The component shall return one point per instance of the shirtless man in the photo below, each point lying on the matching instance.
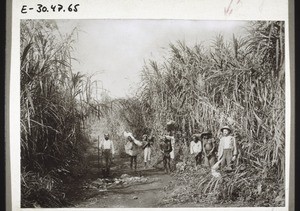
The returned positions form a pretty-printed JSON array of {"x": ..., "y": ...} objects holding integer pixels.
[{"x": 209, "y": 149}]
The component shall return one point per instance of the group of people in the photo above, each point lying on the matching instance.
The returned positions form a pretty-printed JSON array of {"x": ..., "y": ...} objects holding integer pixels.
[{"x": 202, "y": 146}]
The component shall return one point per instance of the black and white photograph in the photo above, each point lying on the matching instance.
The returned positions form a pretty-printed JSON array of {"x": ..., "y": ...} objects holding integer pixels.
[{"x": 152, "y": 113}]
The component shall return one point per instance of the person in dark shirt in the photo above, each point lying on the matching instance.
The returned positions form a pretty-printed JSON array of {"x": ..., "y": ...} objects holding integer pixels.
[
  {"x": 166, "y": 148},
  {"x": 209, "y": 148}
]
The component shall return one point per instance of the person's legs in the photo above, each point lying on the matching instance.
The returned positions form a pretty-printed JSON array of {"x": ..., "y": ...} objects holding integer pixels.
[
  {"x": 108, "y": 162},
  {"x": 131, "y": 162},
  {"x": 223, "y": 162},
  {"x": 206, "y": 161},
  {"x": 212, "y": 160},
  {"x": 229, "y": 157},
  {"x": 165, "y": 162},
  {"x": 198, "y": 159},
  {"x": 168, "y": 164},
  {"x": 149, "y": 155},
  {"x": 135, "y": 163}
]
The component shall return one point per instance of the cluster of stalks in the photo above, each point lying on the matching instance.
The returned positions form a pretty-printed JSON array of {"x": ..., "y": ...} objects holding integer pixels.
[{"x": 55, "y": 103}]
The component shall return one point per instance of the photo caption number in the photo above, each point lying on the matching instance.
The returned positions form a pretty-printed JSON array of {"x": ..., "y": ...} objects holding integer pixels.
[{"x": 40, "y": 8}]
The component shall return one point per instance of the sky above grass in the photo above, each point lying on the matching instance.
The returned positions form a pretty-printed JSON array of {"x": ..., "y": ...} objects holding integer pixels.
[{"x": 115, "y": 51}]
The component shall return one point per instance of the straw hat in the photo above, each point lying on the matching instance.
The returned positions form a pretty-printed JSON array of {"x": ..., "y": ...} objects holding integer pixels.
[
  {"x": 208, "y": 133},
  {"x": 225, "y": 127},
  {"x": 196, "y": 135}
]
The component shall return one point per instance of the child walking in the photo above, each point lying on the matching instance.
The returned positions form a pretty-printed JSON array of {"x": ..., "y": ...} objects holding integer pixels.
[{"x": 227, "y": 150}]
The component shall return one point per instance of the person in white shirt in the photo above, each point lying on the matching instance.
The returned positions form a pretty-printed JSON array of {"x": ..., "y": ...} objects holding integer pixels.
[
  {"x": 107, "y": 151},
  {"x": 148, "y": 142},
  {"x": 227, "y": 150},
  {"x": 196, "y": 148}
]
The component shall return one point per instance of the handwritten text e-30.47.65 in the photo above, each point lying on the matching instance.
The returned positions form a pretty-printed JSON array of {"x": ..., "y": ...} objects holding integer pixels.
[{"x": 40, "y": 8}]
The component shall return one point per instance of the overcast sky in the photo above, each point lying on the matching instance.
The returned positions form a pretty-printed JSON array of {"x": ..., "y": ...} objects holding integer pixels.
[{"x": 115, "y": 50}]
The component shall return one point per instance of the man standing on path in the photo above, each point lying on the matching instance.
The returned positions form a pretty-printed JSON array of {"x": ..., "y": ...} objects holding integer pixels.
[{"x": 107, "y": 152}]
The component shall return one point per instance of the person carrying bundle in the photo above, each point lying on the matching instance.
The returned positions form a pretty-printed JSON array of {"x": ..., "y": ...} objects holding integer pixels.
[
  {"x": 131, "y": 148},
  {"x": 107, "y": 150}
]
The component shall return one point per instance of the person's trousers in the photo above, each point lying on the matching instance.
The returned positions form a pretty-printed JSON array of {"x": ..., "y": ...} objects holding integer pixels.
[
  {"x": 133, "y": 161},
  {"x": 107, "y": 160},
  {"x": 167, "y": 165},
  {"x": 227, "y": 157},
  {"x": 147, "y": 154},
  {"x": 198, "y": 158},
  {"x": 210, "y": 160}
]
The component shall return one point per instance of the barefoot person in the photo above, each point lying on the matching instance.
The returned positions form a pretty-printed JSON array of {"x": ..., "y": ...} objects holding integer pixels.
[
  {"x": 227, "y": 150},
  {"x": 107, "y": 150},
  {"x": 209, "y": 148}
]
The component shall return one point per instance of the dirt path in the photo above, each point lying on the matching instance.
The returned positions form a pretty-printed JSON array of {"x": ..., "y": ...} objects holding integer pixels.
[
  {"x": 146, "y": 194},
  {"x": 124, "y": 188}
]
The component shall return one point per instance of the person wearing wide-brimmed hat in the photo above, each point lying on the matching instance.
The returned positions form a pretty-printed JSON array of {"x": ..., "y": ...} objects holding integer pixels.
[
  {"x": 209, "y": 148},
  {"x": 227, "y": 150}
]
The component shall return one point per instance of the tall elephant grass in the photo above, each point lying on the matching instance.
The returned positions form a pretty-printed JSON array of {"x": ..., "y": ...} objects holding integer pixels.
[{"x": 239, "y": 82}]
